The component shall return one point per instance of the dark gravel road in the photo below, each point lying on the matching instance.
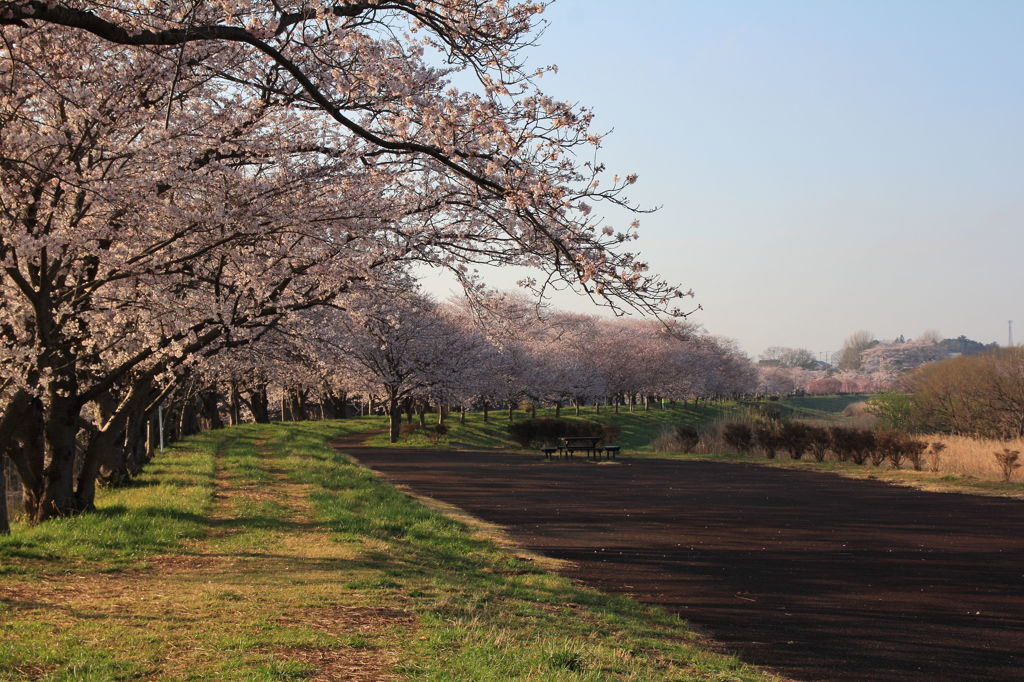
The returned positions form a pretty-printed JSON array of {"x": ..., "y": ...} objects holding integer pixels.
[{"x": 817, "y": 576}]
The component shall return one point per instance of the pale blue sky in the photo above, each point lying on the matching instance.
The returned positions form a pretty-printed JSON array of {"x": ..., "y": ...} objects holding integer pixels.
[{"x": 823, "y": 167}]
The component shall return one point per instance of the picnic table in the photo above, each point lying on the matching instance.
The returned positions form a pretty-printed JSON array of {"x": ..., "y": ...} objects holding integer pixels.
[{"x": 570, "y": 444}]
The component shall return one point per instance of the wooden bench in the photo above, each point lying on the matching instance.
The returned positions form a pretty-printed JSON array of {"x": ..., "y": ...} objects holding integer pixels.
[{"x": 610, "y": 451}]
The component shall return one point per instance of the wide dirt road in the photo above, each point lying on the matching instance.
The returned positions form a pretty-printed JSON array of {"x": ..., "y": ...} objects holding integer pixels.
[{"x": 817, "y": 576}]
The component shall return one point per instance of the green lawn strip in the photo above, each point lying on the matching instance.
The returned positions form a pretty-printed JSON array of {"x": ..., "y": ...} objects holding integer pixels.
[
  {"x": 233, "y": 611},
  {"x": 164, "y": 506}
]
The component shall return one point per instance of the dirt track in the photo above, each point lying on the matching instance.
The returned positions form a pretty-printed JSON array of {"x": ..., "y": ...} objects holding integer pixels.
[{"x": 814, "y": 575}]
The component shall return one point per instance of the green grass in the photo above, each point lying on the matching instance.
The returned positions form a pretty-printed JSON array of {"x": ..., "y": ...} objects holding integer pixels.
[
  {"x": 638, "y": 428},
  {"x": 822, "y": 405},
  {"x": 165, "y": 505},
  {"x": 273, "y": 557}
]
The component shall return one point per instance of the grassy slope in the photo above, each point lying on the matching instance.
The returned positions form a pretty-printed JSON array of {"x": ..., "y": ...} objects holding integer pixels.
[
  {"x": 257, "y": 552},
  {"x": 823, "y": 404},
  {"x": 638, "y": 428}
]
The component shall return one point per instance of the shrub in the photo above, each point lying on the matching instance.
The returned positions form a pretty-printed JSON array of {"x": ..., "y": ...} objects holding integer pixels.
[
  {"x": 676, "y": 439},
  {"x": 738, "y": 436},
  {"x": 893, "y": 409},
  {"x": 536, "y": 432},
  {"x": 1008, "y": 463},
  {"x": 767, "y": 438},
  {"x": 863, "y": 444},
  {"x": 915, "y": 453},
  {"x": 795, "y": 438},
  {"x": 896, "y": 447},
  {"x": 436, "y": 432},
  {"x": 770, "y": 411},
  {"x": 886, "y": 445},
  {"x": 852, "y": 444},
  {"x": 821, "y": 441},
  {"x": 687, "y": 437},
  {"x": 841, "y": 441},
  {"x": 611, "y": 432}
]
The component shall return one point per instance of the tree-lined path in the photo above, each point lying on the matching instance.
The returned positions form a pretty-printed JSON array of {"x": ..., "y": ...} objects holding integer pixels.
[{"x": 818, "y": 576}]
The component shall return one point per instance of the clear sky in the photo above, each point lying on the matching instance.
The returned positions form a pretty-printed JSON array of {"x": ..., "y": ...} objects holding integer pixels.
[{"x": 822, "y": 167}]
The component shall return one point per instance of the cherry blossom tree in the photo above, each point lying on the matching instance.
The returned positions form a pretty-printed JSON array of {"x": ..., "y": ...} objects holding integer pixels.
[{"x": 177, "y": 184}]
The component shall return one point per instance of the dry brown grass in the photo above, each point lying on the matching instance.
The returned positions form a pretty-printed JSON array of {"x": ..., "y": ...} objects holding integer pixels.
[{"x": 972, "y": 456}]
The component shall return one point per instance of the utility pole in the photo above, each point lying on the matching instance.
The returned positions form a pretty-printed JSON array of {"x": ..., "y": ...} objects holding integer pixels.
[{"x": 1010, "y": 325}]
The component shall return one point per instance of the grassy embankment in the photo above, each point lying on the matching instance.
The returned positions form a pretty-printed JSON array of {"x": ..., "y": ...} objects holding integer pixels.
[
  {"x": 637, "y": 429},
  {"x": 259, "y": 553}
]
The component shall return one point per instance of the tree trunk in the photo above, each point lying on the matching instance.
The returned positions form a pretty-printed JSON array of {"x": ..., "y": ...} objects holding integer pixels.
[
  {"x": 511, "y": 407},
  {"x": 333, "y": 406},
  {"x": 597, "y": 406},
  {"x": 440, "y": 414},
  {"x": 576, "y": 404},
  {"x": 297, "y": 405},
  {"x": 421, "y": 413},
  {"x": 462, "y": 414},
  {"x": 188, "y": 420},
  {"x": 59, "y": 430},
  {"x": 259, "y": 404},
  {"x": 21, "y": 439},
  {"x": 558, "y": 409},
  {"x": 408, "y": 410},
  {"x": 485, "y": 411},
  {"x": 209, "y": 413},
  {"x": 395, "y": 415},
  {"x": 235, "y": 404}
]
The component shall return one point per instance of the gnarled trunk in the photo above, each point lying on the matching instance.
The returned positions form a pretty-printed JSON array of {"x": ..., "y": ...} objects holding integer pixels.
[
  {"x": 58, "y": 485},
  {"x": 259, "y": 404}
]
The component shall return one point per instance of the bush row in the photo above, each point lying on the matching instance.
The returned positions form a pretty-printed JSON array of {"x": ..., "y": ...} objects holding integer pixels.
[{"x": 848, "y": 444}]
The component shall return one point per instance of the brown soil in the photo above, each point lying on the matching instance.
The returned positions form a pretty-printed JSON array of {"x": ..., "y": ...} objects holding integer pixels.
[{"x": 816, "y": 576}]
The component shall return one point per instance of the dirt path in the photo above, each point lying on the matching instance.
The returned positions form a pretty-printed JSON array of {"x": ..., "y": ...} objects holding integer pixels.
[
  {"x": 264, "y": 567},
  {"x": 817, "y": 576}
]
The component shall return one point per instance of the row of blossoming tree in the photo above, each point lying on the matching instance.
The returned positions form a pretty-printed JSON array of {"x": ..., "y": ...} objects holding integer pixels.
[
  {"x": 181, "y": 181},
  {"x": 406, "y": 352}
]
